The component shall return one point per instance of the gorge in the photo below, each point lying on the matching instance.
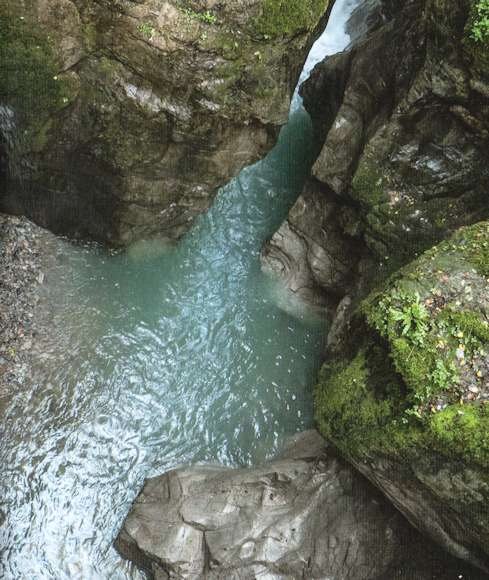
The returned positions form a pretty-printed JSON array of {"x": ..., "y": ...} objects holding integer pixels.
[{"x": 134, "y": 367}]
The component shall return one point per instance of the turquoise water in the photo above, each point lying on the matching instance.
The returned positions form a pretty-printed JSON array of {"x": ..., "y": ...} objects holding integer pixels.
[{"x": 155, "y": 357}]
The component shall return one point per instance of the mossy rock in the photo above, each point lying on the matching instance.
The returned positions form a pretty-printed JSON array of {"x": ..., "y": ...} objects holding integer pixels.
[
  {"x": 431, "y": 324},
  {"x": 289, "y": 17},
  {"x": 28, "y": 75},
  {"x": 414, "y": 388}
]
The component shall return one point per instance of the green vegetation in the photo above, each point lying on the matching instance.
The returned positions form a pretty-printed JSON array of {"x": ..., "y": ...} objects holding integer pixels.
[
  {"x": 206, "y": 17},
  {"x": 28, "y": 80},
  {"x": 146, "y": 29},
  {"x": 349, "y": 409},
  {"x": 479, "y": 21},
  {"x": 418, "y": 360},
  {"x": 423, "y": 346},
  {"x": 367, "y": 186},
  {"x": 476, "y": 38},
  {"x": 464, "y": 430},
  {"x": 413, "y": 318},
  {"x": 289, "y": 17}
]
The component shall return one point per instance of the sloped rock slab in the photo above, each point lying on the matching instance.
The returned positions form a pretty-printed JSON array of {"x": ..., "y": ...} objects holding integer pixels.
[{"x": 304, "y": 515}]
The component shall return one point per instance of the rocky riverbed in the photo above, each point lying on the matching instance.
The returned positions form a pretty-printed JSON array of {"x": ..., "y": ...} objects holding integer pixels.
[{"x": 22, "y": 263}]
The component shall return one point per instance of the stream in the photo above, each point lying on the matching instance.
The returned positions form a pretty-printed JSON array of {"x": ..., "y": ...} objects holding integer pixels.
[{"x": 157, "y": 357}]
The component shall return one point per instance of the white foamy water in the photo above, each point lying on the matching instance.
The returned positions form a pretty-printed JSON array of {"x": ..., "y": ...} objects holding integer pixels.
[{"x": 333, "y": 40}]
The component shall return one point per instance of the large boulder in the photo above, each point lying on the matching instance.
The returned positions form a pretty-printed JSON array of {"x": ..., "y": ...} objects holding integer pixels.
[
  {"x": 120, "y": 119},
  {"x": 304, "y": 515},
  {"x": 407, "y": 398},
  {"x": 402, "y": 123}
]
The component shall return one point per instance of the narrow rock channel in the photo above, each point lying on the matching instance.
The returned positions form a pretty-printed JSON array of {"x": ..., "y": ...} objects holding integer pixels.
[
  {"x": 156, "y": 403},
  {"x": 154, "y": 357}
]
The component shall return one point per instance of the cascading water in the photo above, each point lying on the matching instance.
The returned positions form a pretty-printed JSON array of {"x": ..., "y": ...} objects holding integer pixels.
[{"x": 153, "y": 358}]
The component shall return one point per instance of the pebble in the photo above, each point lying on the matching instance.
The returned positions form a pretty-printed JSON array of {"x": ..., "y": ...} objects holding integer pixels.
[{"x": 21, "y": 251}]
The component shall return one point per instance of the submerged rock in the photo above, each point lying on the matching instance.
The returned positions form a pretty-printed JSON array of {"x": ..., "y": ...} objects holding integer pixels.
[
  {"x": 304, "y": 515},
  {"x": 407, "y": 399},
  {"x": 130, "y": 114}
]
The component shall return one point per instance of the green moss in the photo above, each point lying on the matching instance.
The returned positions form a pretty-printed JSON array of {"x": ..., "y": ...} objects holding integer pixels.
[
  {"x": 367, "y": 186},
  {"x": 348, "y": 408},
  {"x": 467, "y": 325},
  {"x": 360, "y": 420},
  {"x": 288, "y": 17},
  {"x": 463, "y": 430},
  {"x": 28, "y": 80},
  {"x": 425, "y": 324}
]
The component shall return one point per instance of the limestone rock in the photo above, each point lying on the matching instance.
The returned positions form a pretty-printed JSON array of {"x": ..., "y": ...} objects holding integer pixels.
[
  {"x": 406, "y": 398},
  {"x": 304, "y": 515},
  {"x": 133, "y": 114},
  {"x": 310, "y": 252},
  {"x": 402, "y": 123}
]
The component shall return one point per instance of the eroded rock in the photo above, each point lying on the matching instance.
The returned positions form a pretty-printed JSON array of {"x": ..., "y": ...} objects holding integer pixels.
[
  {"x": 304, "y": 515},
  {"x": 406, "y": 399},
  {"x": 138, "y": 111},
  {"x": 402, "y": 122}
]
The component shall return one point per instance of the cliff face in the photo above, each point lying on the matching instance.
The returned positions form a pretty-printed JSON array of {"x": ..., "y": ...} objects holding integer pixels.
[
  {"x": 402, "y": 121},
  {"x": 407, "y": 398},
  {"x": 127, "y": 116}
]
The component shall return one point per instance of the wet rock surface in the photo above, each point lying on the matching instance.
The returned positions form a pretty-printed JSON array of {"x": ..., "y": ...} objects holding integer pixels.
[
  {"x": 310, "y": 252},
  {"x": 402, "y": 122},
  {"x": 147, "y": 107},
  {"x": 304, "y": 515}
]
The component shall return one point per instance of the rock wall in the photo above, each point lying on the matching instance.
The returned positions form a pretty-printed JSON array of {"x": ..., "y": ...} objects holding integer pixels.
[
  {"x": 402, "y": 122},
  {"x": 130, "y": 114},
  {"x": 407, "y": 401}
]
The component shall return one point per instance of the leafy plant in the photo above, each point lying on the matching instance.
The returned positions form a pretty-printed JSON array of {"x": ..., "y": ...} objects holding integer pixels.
[
  {"x": 444, "y": 375},
  {"x": 146, "y": 29},
  {"x": 206, "y": 17},
  {"x": 479, "y": 31},
  {"x": 413, "y": 319}
]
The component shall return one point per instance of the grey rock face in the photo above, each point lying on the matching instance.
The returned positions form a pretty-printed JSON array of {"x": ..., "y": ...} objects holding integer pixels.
[
  {"x": 154, "y": 106},
  {"x": 304, "y": 515},
  {"x": 402, "y": 123},
  {"x": 310, "y": 253}
]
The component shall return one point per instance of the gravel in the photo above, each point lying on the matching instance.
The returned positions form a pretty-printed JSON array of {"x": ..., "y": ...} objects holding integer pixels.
[{"x": 22, "y": 249}]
